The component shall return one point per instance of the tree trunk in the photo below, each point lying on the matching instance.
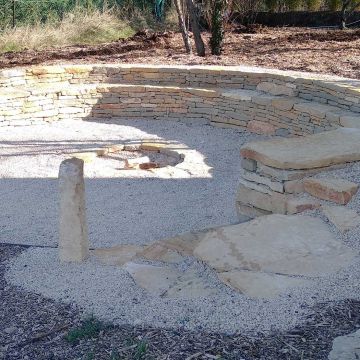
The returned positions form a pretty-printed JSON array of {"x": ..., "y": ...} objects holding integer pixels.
[
  {"x": 200, "y": 47},
  {"x": 344, "y": 8},
  {"x": 217, "y": 27},
  {"x": 182, "y": 26}
]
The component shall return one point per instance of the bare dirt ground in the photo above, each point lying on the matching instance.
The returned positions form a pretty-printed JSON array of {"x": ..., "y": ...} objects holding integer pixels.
[{"x": 302, "y": 49}]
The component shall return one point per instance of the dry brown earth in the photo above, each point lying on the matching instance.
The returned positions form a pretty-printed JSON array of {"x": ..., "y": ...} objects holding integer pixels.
[{"x": 303, "y": 49}]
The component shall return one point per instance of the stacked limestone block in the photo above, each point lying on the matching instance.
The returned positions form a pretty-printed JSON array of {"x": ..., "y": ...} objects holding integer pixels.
[
  {"x": 260, "y": 100},
  {"x": 276, "y": 174},
  {"x": 249, "y": 109}
]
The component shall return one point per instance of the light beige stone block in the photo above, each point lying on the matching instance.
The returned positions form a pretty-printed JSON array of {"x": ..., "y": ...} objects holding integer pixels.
[
  {"x": 308, "y": 152},
  {"x": 273, "y": 202},
  {"x": 248, "y": 164},
  {"x": 118, "y": 255},
  {"x": 244, "y": 210},
  {"x": 343, "y": 218},
  {"x": 275, "y": 89},
  {"x": 285, "y": 244},
  {"x": 336, "y": 190},
  {"x": 261, "y": 127},
  {"x": 296, "y": 205},
  {"x": 73, "y": 233},
  {"x": 346, "y": 347},
  {"x": 294, "y": 186},
  {"x": 254, "y": 177},
  {"x": 349, "y": 121},
  {"x": 260, "y": 285}
]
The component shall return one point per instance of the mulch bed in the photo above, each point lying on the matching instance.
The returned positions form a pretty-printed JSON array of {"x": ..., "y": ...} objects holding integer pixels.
[
  {"x": 302, "y": 49},
  {"x": 34, "y": 327}
]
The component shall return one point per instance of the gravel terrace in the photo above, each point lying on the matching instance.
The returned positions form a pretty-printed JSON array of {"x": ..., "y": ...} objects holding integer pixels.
[
  {"x": 124, "y": 207},
  {"x": 300, "y": 325}
]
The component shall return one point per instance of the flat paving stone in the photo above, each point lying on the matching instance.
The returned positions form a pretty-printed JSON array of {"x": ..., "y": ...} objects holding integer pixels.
[
  {"x": 308, "y": 152},
  {"x": 164, "y": 281},
  {"x": 155, "y": 279},
  {"x": 343, "y": 218},
  {"x": 260, "y": 285},
  {"x": 117, "y": 255},
  {"x": 281, "y": 244},
  {"x": 346, "y": 347}
]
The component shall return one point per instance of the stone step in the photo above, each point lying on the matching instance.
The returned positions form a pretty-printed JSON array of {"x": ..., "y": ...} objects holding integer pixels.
[
  {"x": 309, "y": 152},
  {"x": 335, "y": 190}
]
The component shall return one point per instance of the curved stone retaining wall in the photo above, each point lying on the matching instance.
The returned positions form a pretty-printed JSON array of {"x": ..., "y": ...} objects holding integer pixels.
[{"x": 264, "y": 101}]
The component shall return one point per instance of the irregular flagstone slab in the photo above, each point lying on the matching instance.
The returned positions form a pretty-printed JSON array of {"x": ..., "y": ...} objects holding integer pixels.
[
  {"x": 260, "y": 285},
  {"x": 313, "y": 151},
  {"x": 169, "y": 282},
  {"x": 339, "y": 191},
  {"x": 292, "y": 245},
  {"x": 159, "y": 251},
  {"x": 155, "y": 279},
  {"x": 117, "y": 255},
  {"x": 350, "y": 121},
  {"x": 190, "y": 286},
  {"x": 346, "y": 347},
  {"x": 173, "y": 249},
  {"x": 343, "y": 218}
]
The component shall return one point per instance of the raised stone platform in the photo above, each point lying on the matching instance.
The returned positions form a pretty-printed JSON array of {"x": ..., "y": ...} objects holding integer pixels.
[
  {"x": 309, "y": 152},
  {"x": 277, "y": 172}
]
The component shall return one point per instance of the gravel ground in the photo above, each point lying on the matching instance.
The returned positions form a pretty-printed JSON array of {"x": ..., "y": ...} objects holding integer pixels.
[
  {"x": 209, "y": 187},
  {"x": 198, "y": 199},
  {"x": 34, "y": 327},
  {"x": 123, "y": 207}
]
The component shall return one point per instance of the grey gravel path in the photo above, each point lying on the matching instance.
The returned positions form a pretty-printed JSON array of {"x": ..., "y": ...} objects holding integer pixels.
[{"x": 123, "y": 207}]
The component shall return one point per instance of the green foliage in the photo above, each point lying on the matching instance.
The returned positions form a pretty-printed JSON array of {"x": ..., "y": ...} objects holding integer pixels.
[
  {"x": 89, "y": 328},
  {"x": 294, "y": 4},
  {"x": 140, "y": 350},
  {"x": 272, "y": 5},
  {"x": 334, "y": 5},
  {"x": 313, "y": 5},
  {"x": 217, "y": 27},
  {"x": 114, "y": 355},
  {"x": 45, "y": 11}
]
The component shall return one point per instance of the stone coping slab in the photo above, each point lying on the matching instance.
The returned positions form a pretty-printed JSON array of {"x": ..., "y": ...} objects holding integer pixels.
[{"x": 313, "y": 151}]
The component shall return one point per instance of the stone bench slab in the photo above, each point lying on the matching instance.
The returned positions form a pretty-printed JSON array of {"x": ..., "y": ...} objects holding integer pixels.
[{"x": 309, "y": 152}]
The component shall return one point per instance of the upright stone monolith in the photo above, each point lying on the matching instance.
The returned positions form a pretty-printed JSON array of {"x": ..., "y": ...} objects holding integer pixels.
[{"x": 73, "y": 240}]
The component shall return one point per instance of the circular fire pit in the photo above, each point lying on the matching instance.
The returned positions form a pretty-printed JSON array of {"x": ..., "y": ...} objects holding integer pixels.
[{"x": 134, "y": 156}]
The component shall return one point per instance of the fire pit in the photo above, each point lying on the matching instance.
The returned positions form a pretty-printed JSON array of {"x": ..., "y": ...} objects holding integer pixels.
[{"x": 135, "y": 156}]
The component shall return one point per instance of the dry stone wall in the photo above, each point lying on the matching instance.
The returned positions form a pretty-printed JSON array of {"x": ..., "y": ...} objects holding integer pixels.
[{"x": 263, "y": 101}]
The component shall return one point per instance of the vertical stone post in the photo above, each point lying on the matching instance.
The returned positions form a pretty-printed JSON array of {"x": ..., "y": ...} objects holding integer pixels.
[{"x": 73, "y": 240}]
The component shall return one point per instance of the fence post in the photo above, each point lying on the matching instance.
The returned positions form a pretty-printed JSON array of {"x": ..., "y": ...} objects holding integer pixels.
[{"x": 13, "y": 13}]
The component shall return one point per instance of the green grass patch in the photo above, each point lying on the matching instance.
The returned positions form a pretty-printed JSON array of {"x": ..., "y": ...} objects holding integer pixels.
[{"x": 89, "y": 328}]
